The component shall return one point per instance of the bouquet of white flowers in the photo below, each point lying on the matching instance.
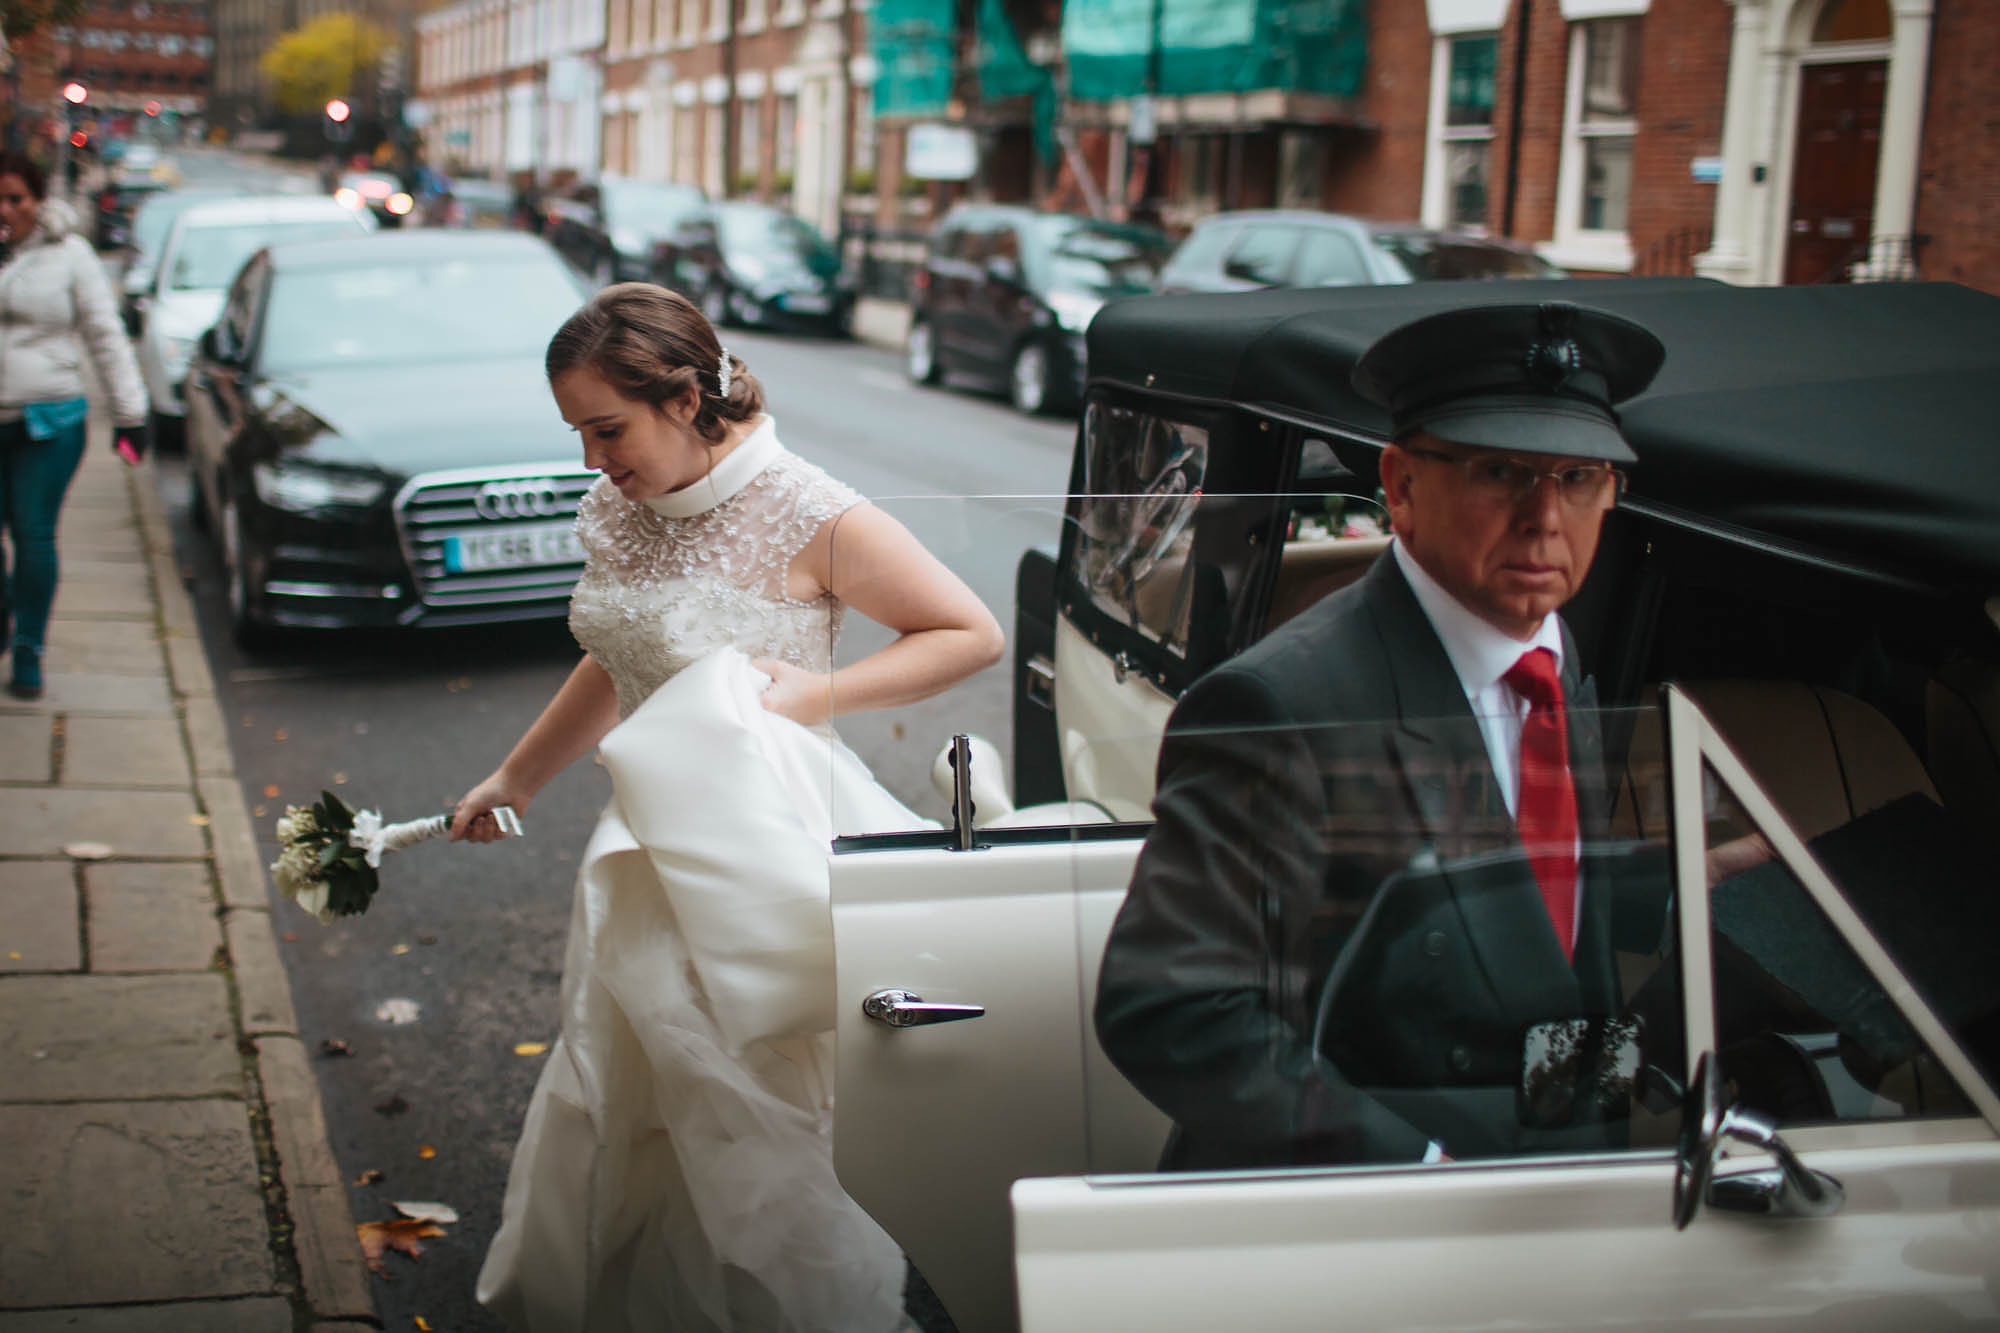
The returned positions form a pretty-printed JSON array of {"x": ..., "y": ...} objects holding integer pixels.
[{"x": 329, "y": 853}]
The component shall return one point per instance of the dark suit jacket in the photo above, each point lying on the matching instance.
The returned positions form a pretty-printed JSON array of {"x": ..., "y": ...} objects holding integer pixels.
[{"x": 1334, "y": 758}]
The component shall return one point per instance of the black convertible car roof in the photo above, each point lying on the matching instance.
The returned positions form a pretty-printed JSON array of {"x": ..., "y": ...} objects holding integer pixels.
[{"x": 1862, "y": 419}]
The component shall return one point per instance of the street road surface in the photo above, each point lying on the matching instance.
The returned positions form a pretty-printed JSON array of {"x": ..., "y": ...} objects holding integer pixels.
[{"x": 470, "y": 939}]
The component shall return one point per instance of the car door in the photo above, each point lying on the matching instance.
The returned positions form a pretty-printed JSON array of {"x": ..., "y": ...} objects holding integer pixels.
[
  {"x": 216, "y": 402},
  {"x": 935, "y": 1120},
  {"x": 1854, "y": 1179}
]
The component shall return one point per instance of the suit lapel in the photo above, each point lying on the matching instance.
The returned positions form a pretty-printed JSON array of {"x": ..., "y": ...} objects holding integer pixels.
[{"x": 1456, "y": 796}]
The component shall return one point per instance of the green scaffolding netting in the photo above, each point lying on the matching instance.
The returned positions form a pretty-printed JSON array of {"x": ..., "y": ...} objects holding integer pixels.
[
  {"x": 1122, "y": 48},
  {"x": 913, "y": 40}
]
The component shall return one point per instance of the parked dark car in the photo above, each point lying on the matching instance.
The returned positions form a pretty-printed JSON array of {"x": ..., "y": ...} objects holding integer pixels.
[
  {"x": 117, "y": 200},
  {"x": 608, "y": 228},
  {"x": 1240, "y": 252},
  {"x": 1005, "y": 294},
  {"x": 370, "y": 437},
  {"x": 749, "y": 263}
]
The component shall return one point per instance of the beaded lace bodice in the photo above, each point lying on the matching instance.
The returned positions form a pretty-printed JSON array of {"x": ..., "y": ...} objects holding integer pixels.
[{"x": 669, "y": 580}]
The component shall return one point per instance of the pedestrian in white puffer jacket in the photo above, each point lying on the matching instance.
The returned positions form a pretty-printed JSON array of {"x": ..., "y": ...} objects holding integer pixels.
[{"x": 55, "y": 307}]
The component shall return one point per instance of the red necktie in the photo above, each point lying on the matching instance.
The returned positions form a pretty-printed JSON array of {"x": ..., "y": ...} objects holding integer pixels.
[{"x": 1546, "y": 811}]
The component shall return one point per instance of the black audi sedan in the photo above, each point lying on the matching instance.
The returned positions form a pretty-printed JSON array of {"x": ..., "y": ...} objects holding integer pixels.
[{"x": 370, "y": 438}]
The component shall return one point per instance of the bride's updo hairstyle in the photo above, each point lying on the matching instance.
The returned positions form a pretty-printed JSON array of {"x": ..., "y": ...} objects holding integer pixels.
[{"x": 653, "y": 345}]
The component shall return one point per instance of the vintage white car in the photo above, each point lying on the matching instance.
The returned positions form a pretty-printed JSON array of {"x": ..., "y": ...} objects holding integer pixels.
[{"x": 1794, "y": 626}]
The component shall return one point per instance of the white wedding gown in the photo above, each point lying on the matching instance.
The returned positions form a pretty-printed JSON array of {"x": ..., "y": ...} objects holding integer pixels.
[{"x": 675, "y": 1169}]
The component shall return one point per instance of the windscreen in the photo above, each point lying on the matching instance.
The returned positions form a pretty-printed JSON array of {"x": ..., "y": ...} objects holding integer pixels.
[
  {"x": 652, "y": 208},
  {"x": 207, "y": 258},
  {"x": 1077, "y": 255},
  {"x": 1436, "y": 258},
  {"x": 398, "y": 313},
  {"x": 765, "y": 231}
]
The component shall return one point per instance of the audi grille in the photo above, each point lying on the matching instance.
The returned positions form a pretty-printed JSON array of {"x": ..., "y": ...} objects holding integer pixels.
[{"x": 444, "y": 517}]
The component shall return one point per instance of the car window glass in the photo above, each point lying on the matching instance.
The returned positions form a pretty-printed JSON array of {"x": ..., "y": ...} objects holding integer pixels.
[
  {"x": 1805, "y": 1032},
  {"x": 1263, "y": 255},
  {"x": 1329, "y": 259},
  {"x": 1336, "y": 952},
  {"x": 1202, "y": 251},
  {"x": 385, "y": 314},
  {"x": 1135, "y": 520},
  {"x": 206, "y": 258},
  {"x": 239, "y": 310}
]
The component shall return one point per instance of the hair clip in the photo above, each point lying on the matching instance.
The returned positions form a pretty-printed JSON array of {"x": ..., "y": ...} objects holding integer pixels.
[{"x": 722, "y": 375}]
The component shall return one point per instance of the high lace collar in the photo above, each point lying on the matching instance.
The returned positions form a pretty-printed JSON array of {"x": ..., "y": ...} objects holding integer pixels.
[{"x": 726, "y": 480}]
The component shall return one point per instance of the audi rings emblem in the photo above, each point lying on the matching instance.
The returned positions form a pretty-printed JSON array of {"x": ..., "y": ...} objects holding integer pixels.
[{"x": 527, "y": 497}]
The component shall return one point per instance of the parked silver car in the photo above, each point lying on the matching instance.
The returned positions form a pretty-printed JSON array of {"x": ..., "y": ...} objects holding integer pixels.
[{"x": 1240, "y": 252}]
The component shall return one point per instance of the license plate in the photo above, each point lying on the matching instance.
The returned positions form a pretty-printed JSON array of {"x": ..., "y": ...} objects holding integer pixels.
[
  {"x": 808, "y": 303},
  {"x": 470, "y": 550}
]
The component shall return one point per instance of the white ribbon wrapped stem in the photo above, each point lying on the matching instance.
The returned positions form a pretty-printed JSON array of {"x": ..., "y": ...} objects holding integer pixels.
[{"x": 374, "y": 837}]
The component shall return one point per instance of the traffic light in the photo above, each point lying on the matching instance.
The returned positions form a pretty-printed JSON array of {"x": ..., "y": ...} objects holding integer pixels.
[
  {"x": 75, "y": 93},
  {"x": 338, "y": 117},
  {"x": 79, "y": 138},
  {"x": 152, "y": 108}
]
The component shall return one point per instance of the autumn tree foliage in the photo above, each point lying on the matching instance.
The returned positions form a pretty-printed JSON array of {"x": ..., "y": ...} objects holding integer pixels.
[
  {"x": 323, "y": 59},
  {"x": 18, "y": 18}
]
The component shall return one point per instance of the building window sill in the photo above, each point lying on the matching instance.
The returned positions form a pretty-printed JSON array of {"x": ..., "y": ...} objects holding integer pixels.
[{"x": 1592, "y": 252}]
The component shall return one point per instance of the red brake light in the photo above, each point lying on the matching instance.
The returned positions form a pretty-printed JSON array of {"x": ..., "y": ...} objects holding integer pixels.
[{"x": 920, "y": 279}]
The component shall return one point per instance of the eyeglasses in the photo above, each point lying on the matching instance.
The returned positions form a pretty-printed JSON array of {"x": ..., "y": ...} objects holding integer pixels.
[{"x": 1501, "y": 480}]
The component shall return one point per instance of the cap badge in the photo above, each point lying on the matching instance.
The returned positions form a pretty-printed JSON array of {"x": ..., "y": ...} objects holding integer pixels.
[{"x": 1555, "y": 356}]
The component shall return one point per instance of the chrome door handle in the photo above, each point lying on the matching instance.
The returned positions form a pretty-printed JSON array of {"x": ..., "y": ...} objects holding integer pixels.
[{"x": 901, "y": 1009}]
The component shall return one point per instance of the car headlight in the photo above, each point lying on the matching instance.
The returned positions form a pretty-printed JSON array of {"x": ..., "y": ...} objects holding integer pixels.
[
  {"x": 1074, "y": 310},
  {"x": 175, "y": 352},
  {"x": 302, "y": 488},
  {"x": 750, "y": 268}
]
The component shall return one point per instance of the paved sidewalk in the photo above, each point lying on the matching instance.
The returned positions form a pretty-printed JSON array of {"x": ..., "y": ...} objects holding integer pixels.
[{"x": 166, "y": 1167}]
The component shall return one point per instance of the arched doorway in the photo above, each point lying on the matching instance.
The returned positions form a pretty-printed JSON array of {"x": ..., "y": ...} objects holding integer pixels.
[{"x": 1837, "y": 145}]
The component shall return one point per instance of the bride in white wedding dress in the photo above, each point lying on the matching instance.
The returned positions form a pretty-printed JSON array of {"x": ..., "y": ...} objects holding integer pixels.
[{"x": 675, "y": 1168}]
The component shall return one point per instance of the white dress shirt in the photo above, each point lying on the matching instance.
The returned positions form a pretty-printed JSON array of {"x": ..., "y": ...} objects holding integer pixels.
[{"x": 1482, "y": 655}]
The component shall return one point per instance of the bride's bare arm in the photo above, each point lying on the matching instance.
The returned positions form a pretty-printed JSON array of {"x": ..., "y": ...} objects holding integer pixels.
[
  {"x": 576, "y": 719},
  {"x": 944, "y": 632}
]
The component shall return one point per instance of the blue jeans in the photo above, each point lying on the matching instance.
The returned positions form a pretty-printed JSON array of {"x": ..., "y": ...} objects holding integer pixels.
[{"x": 34, "y": 477}]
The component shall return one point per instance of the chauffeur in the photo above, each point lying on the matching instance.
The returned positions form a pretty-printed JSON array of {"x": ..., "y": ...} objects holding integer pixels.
[{"x": 1408, "y": 769}]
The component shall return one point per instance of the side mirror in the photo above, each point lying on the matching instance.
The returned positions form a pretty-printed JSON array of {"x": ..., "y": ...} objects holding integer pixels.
[{"x": 1003, "y": 269}]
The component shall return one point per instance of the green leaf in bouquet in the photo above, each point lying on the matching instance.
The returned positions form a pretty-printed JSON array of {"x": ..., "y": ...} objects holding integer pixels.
[
  {"x": 350, "y": 888},
  {"x": 330, "y": 854},
  {"x": 338, "y": 816}
]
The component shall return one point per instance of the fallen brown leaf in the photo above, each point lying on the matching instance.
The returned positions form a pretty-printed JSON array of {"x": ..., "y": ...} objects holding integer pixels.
[
  {"x": 199, "y": 821},
  {"x": 530, "y": 1047},
  {"x": 370, "y": 1177},
  {"x": 399, "y": 949},
  {"x": 425, "y": 1211},
  {"x": 403, "y": 1233},
  {"x": 340, "y": 779},
  {"x": 272, "y": 789},
  {"x": 279, "y": 735},
  {"x": 290, "y": 937},
  {"x": 422, "y": 1323},
  {"x": 427, "y": 1151}
]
